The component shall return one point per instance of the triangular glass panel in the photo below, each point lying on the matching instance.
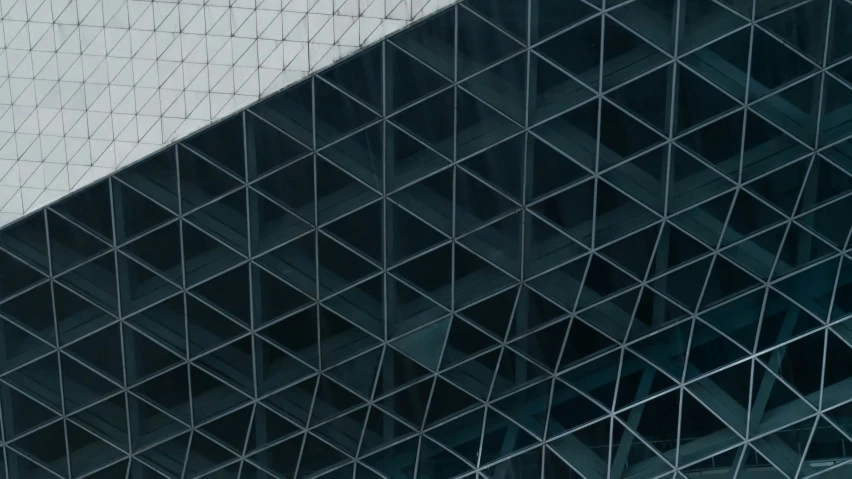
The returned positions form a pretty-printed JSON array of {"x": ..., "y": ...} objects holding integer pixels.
[
  {"x": 572, "y": 210},
  {"x": 494, "y": 314},
  {"x": 223, "y": 144},
  {"x": 613, "y": 316},
  {"x": 549, "y": 18},
  {"x": 841, "y": 39},
  {"x": 86, "y": 452},
  {"x": 582, "y": 343},
  {"x": 331, "y": 400},
  {"x": 667, "y": 349},
  {"x": 703, "y": 22},
  {"x": 656, "y": 422},
  {"x": 203, "y": 256},
  {"x": 281, "y": 459},
  {"x": 143, "y": 357},
  {"x": 543, "y": 346},
  {"x": 598, "y": 377},
  {"x": 220, "y": 397},
  {"x": 738, "y": 319},
  {"x": 149, "y": 425},
  {"x": 781, "y": 187},
  {"x": 478, "y": 125},
  {"x": 156, "y": 178},
  {"x": 297, "y": 334},
  {"x": 513, "y": 373},
  {"x": 82, "y": 386},
  {"x": 361, "y": 155},
  {"x": 781, "y": 448},
  {"x": 356, "y": 76},
  {"x": 617, "y": 215},
  {"x": 406, "y": 159},
  {"x": 225, "y": 220},
  {"x": 475, "y": 278},
  {"x": 295, "y": 262},
  {"x": 587, "y": 449},
  {"x": 725, "y": 281},
  {"x": 140, "y": 287},
  {"x": 782, "y": 320},
  {"x": 236, "y": 302},
  {"x": 409, "y": 404},
  {"x": 697, "y": 101},
  {"x": 336, "y": 114},
  {"x": 802, "y": 28},
  {"x": 553, "y": 91},
  {"x": 102, "y": 352},
  {"x": 643, "y": 178},
  {"x": 795, "y": 109},
  {"x": 204, "y": 455},
  {"x": 168, "y": 457},
  {"x": 266, "y": 427},
  {"x": 766, "y": 148},
  {"x": 476, "y": 203},
  {"x": 431, "y": 274},
  {"x": 271, "y": 225},
  {"x": 767, "y": 54},
  {"x": 90, "y": 209},
  {"x": 577, "y": 51},
  {"x": 602, "y": 281},
  {"x": 69, "y": 246},
  {"x": 21, "y": 413},
  {"x": 502, "y": 437},
  {"x": 655, "y": 20},
  {"x": 531, "y": 312},
  {"x": 634, "y": 252},
  {"x": 462, "y": 434},
  {"x": 201, "y": 181},
  {"x": 706, "y": 221},
  {"x": 709, "y": 351},
  {"x": 275, "y": 368},
  {"x": 638, "y": 380},
  {"x": 291, "y": 111},
  {"x": 33, "y": 311},
  {"x": 548, "y": 170},
  {"x": 724, "y": 156},
  {"x": 510, "y": 17},
  {"x": 398, "y": 461},
  {"x": 834, "y": 124},
  {"x": 350, "y": 231},
  {"x": 135, "y": 214},
  {"x": 812, "y": 288},
  {"x": 626, "y": 55},
  {"x": 562, "y": 285},
  {"x": 408, "y": 309},
  {"x": 653, "y": 312},
  {"x": 568, "y": 409},
  {"x": 501, "y": 166},
  {"x": 574, "y": 133},
  {"x": 731, "y": 50},
  {"x": 645, "y": 463},
  {"x": 344, "y": 433},
  {"x": 267, "y": 147},
  {"x": 340, "y": 339},
  {"x": 363, "y": 304},
  {"x": 293, "y": 188},
  {"x": 824, "y": 183},
  {"x": 472, "y": 32},
  {"x": 27, "y": 239},
  {"x": 272, "y": 298},
  {"x": 773, "y": 404},
  {"x": 359, "y": 373},
  {"x": 685, "y": 285},
  {"x": 825, "y": 439},
  {"x": 504, "y": 87},
  {"x": 338, "y": 267},
  {"x": 697, "y": 424},
  {"x": 475, "y": 376},
  {"x": 232, "y": 364},
  {"x": 447, "y": 401},
  {"x": 19, "y": 346},
  {"x": 43, "y": 448},
  {"x": 800, "y": 249},
  {"x": 408, "y": 79},
  {"x": 656, "y": 110},
  {"x": 463, "y": 341},
  {"x": 425, "y": 345},
  {"x": 338, "y": 193},
  {"x": 432, "y": 41},
  {"x": 95, "y": 281}
]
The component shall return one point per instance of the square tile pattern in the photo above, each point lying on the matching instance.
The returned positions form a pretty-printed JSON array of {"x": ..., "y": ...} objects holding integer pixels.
[
  {"x": 87, "y": 86},
  {"x": 516, "y": 239}
]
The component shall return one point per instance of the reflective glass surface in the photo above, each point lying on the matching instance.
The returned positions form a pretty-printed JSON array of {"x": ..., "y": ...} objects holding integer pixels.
[{"x": 529, "y": 239}]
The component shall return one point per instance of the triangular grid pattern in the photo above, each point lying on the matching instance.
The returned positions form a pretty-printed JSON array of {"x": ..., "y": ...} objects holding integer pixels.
[
  {"x": 88, "y": 86},
  {"x": 514, "y": 240}
]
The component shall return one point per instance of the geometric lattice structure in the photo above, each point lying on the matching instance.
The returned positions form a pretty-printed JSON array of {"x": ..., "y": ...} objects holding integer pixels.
[
  {"x": 517, "y": 239},
  {"x": 90, "y": 85}
]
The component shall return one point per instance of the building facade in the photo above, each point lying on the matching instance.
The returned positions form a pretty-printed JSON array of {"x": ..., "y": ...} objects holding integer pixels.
[{"x": 529, "y": 239}]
